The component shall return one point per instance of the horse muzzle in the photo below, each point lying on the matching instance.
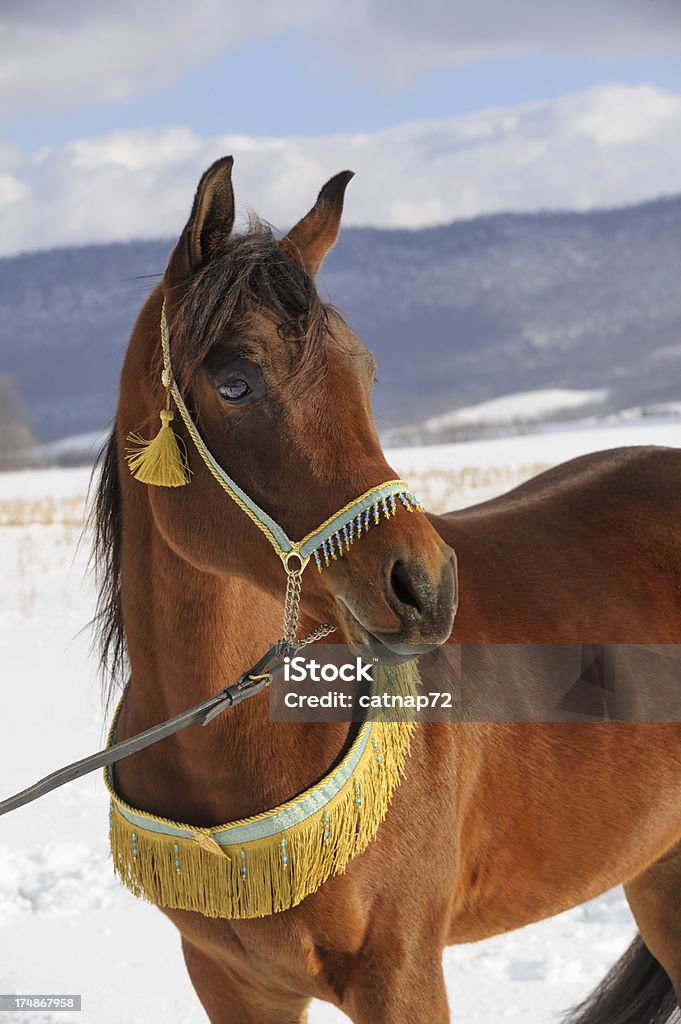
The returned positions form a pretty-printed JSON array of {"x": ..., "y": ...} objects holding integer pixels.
[{"x": 414, "y": 612}]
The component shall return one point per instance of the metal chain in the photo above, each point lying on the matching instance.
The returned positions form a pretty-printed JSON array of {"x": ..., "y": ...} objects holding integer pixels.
[
  {"x": 294, "y": 584},
  {"x": 317, "y": 634}
]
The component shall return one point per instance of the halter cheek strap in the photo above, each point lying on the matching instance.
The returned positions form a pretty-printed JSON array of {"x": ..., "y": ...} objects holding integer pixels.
[{"x": 163, "y": 462}]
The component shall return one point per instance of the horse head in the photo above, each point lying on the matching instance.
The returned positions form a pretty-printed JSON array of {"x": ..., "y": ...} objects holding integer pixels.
[{"x": 279, "y": 386}]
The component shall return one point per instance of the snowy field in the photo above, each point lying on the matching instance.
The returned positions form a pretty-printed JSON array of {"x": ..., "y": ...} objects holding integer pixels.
[{"x": 66, "y": 925}]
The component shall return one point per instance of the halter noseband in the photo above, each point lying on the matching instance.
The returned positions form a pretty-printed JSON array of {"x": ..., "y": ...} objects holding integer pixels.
[{"x": 162, "y": 462}]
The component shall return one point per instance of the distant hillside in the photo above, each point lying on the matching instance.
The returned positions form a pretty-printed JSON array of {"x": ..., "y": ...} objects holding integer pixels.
[
  {"x": 456, "y": 315},
  {"x": 519, "y": 413}
]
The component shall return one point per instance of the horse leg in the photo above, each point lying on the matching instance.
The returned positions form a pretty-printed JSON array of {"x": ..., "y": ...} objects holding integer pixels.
[
  {"x": 644, "y": 986},
  {"x": 654, "y": 898},
  {"x": 232, "y": 998},
  {"x": 383, "y": 989}
]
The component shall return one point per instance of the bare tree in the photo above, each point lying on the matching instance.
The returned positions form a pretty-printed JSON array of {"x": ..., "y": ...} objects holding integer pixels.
[{"x": 17, "y": 441}]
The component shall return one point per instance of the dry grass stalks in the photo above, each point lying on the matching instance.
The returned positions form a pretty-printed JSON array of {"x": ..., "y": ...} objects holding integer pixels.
[
  {"x": 63, "y": 511},
  {"x": 440, "y": 490}
]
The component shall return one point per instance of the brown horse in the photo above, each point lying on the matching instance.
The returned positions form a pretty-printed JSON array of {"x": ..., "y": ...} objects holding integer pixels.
[{"x": 494, "y": 825}]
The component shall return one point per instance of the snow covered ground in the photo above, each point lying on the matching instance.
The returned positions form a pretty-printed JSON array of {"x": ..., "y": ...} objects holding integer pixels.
[
  {"x": 66, "y": 925},
  {"x": 518, "y": 407},
  {"x": 448, "y": 476},
  {"x": 550, "y": 410}
]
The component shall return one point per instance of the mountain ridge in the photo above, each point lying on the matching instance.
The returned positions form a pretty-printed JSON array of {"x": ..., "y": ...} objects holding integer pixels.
[{"x": 456, "y": 314}]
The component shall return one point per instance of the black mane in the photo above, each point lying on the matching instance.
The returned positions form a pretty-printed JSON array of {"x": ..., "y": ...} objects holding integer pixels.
[{"x": 106, "y": 517}]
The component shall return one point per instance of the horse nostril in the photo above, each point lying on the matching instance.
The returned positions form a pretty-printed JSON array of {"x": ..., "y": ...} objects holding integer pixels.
[{"x": 404, "y": 587}]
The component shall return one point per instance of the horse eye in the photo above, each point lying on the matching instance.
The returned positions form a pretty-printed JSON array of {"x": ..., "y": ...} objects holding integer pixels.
[{"x": 234, "y": 390}]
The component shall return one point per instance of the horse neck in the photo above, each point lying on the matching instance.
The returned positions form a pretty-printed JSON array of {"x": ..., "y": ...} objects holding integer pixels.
[{"x": 188, "y": 634}]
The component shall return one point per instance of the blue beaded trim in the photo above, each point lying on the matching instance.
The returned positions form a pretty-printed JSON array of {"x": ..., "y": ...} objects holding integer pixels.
[{"x": 339, "y": 543}]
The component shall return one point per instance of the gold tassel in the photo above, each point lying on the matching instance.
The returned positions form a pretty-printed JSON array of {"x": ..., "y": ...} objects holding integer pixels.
[
  {"x": 263, "y": 877},
  {"x": 160, "y": 461}
]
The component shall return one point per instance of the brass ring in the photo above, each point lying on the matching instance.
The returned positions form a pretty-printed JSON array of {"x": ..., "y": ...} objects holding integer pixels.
[{"x": 294, "y": 571}]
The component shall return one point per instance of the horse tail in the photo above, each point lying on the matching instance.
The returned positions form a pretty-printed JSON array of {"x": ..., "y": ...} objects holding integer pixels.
[{"x": 637, "y": 990}]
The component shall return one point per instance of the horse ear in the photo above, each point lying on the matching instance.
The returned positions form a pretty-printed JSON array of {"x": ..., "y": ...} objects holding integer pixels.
[
  {"x": 210, "y": 223},
  {"x": 312, "y": 237}
]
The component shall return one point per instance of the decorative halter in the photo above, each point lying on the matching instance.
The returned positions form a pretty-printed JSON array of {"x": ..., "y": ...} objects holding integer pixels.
[
  {"x": 163, "y": 462},
  {"x": 271, "y": 861}
]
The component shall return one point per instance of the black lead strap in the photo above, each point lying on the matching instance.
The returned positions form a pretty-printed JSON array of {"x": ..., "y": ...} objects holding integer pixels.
[{"x": 250, "y": 683}]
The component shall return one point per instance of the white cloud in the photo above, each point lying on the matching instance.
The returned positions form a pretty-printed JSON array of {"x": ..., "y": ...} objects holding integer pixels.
[
  {"x": 11, "y": 190},
  {"x": 53, "y": 55},
  {"x": 605, "y": 146},
  {"x": 391, "y": 40}
]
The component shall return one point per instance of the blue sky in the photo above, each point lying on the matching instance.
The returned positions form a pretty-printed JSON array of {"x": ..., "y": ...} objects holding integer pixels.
[
  {"x": 110, "y": 113},
  {"x": 268, "y": 88}
]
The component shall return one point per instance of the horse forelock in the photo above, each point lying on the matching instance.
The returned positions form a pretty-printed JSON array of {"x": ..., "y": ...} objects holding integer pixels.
[{"x": 252, "y": 274}]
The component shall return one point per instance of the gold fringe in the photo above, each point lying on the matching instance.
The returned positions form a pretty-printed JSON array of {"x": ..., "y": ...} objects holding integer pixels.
[
  {"x": 264, "y": 876},
  {"x": 160, "y": 461}
]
